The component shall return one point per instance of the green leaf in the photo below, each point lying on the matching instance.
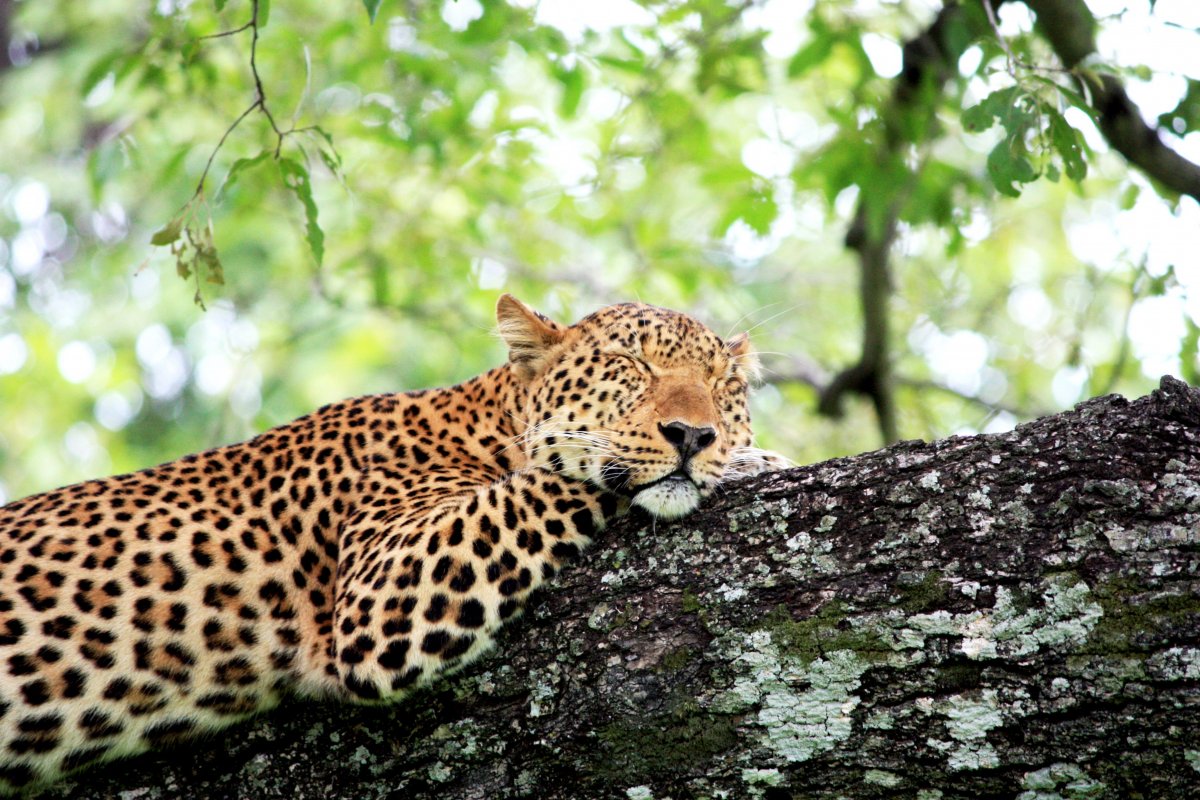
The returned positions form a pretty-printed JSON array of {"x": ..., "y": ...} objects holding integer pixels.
[
  {"x": 1072, "y": 97},
  {"x": 99, "y": 71},
  {"x": 169, "y": 233},
  {"x": 572, "y": 83},
  {"x": 372, "y": 7},
  {"x": 239, "y": 166},
  {"x": 295, "y": 177},
  {"x": 1007, "y": 168},
  {"x": 1069, "y": 144},
  {"x": 263, "y": 13},
  {"x": 220, "y": 5},
  {"x": 1185, "y": 117},
  {"x": 997, "y": 105},
  {"x": 809, "y": 56}
]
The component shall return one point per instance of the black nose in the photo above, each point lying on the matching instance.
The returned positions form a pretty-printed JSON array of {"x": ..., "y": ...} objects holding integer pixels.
[{"x": 687, "y": 440}]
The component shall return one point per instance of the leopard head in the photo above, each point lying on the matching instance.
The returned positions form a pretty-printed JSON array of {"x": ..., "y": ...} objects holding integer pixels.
[{"x": 640, "y": 400}]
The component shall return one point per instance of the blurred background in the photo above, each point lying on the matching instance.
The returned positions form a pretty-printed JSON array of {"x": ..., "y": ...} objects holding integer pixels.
[{"x": 355, "y": 226}]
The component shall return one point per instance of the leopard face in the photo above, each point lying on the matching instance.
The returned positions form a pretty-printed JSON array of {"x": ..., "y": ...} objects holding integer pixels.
[{"x": 639, "y": 400}]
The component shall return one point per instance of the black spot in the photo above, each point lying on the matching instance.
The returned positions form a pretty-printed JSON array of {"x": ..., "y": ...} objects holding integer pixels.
[
  {"x": 564, "y": 551},
  {"x": 508, "y": 608},
  {"x": 98, "y": 724},
  {"x": 464, "y": 580},
  {"x": 358, "y": 686},
  {"x": 21, "y": 665},
  {"x": 482, "y": 548},
  {"x": 435, "y": 641},
  {"x": 406, "y": 678},
  {"x": 459, "y": 646},
  {"x": 36, "y": 692},
  {"x": 583, "y": 522},
  {"x": 493, "y": 572},
  {"x": 45, "y": 722},
  {"x": 470, "y": 614},
  {"x": 75, "y": 681},
  {"x": 60, "y": 627},
  {"x": 81, "y": 758},
  {"x": 442, "y": 569},
  {"x": 555, "y": 528},
  {"x": 437, "y": 608},
  {"x": 608, "y": 504},
  {"x": 509, "y": 586},
  {"x": 14, "y": 630},
  {"x": 394, "y": 656},
  {"x": 168, "y": 731},
  {"x": 32, "y": 744}
]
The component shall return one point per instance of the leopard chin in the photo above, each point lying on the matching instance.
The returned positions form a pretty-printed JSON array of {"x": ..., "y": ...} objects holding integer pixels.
[{"x": 669, "y": 499}]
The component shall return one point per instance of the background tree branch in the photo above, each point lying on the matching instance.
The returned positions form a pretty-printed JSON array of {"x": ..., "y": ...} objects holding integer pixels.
[
  {"x": 978, "y": 617},
  {"x": 928, "y": 63},
  {"x": 1069, "y": 27}
]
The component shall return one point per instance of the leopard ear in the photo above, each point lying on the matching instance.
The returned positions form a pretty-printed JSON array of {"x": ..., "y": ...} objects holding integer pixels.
[
  {"x": 742, "y": 353},
  {"x": 530, "y": 336}
]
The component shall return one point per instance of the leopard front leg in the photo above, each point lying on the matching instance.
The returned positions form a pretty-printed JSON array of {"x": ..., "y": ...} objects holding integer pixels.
[{"x": 427, "y": 596}]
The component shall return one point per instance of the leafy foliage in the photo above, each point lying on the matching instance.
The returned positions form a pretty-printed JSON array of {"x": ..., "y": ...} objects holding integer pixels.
[{"x": 393, "y": 169}]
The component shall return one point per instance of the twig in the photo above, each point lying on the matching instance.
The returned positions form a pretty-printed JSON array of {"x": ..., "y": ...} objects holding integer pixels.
[{"x": 223, "y": 34}]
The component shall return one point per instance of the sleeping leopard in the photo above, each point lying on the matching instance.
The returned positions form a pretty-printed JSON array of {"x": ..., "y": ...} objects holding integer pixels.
[{"x": 357, "y": 552}]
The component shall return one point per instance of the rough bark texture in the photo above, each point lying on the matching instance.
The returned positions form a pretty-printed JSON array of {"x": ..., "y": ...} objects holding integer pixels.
[{"x": 1014, "y": 615}]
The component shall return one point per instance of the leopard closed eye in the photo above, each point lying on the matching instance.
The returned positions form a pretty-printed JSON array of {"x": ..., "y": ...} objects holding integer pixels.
[{"x": 358, "y": 551}]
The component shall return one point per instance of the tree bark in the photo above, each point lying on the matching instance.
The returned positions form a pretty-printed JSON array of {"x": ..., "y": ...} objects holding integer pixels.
[{"x": 1014, "y": 615}]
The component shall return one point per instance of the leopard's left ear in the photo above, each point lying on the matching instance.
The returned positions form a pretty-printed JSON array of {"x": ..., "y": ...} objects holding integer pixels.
[
  {"x": 530, "y": 336},
  {"x": 742, "y": 352}
]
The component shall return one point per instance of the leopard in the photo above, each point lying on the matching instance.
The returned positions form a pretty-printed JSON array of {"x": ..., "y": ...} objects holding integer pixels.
[{"x": 358, "y": 552}]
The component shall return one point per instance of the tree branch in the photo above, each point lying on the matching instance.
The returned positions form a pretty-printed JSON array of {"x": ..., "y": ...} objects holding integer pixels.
[
  {"x": 928, "y": 64},
  {"x": 1069, "y": 27}
]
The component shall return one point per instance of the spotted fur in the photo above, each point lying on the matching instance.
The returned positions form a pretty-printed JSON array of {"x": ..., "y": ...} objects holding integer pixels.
[{"x": 357, "y": 551}]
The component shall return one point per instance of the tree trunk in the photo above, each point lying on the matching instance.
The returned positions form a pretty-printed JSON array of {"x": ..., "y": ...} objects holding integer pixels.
[{"x": 990, "y": 616}]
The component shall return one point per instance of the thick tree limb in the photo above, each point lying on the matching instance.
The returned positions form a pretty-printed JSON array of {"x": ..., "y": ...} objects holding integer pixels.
[
  {"x": 978, "y": 617},
  {"x": 1070, "y": 28}
]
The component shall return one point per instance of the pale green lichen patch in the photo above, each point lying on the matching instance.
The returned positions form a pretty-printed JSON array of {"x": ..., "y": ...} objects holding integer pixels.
[
  {"x": 1175, "y": 664},
  {"x": 968, "y": 720},
  {"x": 639, "y": 793},
  {"x": 804, "y": 706},
  {"x": 762, "y": 777},
  {"x": 748, "y": 516},
  {"x": 931, "y": 481},
  {"x": 543, "y": 691},
  {"x": 1192, "y": 757},
  {"x": 881, "y": 777},
  {"x": 1060, "y": 782},
  {"x": 1065, "y": 619}
]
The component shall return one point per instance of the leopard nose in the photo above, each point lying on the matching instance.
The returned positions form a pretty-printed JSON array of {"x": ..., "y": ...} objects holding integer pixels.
[{"x": 688, "y": 440}]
